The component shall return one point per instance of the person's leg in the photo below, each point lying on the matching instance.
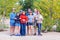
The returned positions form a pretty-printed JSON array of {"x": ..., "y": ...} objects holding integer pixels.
[
  {"x": 39, "y": 28},
  {"x": 27, "y": 29},
  {"x": 16, "y": 29},
  {"x": 12, "y": 28},
  {"x": 29, "y": 26},
  {"x": 35, "y": 29},
  {"x": 31, "y": 29},
  {"x": 23, "y": 30},
  {"x": 19, "y": 28}
]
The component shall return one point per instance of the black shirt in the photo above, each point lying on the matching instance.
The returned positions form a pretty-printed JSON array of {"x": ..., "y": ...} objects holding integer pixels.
[{"x": 17, "y": 19}]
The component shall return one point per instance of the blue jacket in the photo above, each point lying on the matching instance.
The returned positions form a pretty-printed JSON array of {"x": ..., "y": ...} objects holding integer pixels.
[{"x": 12, "y": 16}]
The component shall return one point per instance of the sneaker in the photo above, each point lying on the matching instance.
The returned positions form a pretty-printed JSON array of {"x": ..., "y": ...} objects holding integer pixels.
[
  {"x": 34, "y": 33},
  {"x": 12, "y": 34},
  {"x": 39, "y": 34},
  {"x": 17, "y": 35}
]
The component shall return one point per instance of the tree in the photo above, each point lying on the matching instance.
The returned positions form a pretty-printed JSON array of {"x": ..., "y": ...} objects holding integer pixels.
[
  {"x": 26, "y": 4},
  {"x": 7, "y": 5},
  {"x": 50, "y": 10}
]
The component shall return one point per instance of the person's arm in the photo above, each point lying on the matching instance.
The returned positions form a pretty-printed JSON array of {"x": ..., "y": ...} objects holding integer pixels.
[
  {"x": 26, "y": 19},
  {"x": 41, "y": 17},
  {"x": 20, "y": 18},
  {"x": 11, "y": 16},
  {"x": 33, "y": 20}
]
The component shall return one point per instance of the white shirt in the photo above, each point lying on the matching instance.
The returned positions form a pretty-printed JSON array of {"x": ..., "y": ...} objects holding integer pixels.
[{"x": 39, "y": 18}]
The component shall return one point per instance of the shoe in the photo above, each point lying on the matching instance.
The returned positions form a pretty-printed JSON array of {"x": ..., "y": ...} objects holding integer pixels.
[
  {"x": 39, "y": 34},
  {"x": 22, "y": 35},
  {"x": 34, "y": 33},
  {"x": 12, "y": 34},
  {"x": 17, "y": 35}
]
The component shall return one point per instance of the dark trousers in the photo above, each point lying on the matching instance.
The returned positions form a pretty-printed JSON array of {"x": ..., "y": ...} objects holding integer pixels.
[
  {"x": 23, "y": 29},
  {"x": 39, "y": 28}
]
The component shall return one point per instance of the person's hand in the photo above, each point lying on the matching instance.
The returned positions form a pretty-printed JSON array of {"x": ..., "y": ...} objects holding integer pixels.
[
  {"x": 23, "y": 19},
  {"x": 26, "y": 22},
  {"x": 32, "y": 20},
  {"x": 15, "y": 18},
  {"x": 19, "y": 18},
  {"x": 41, "y": 19}
]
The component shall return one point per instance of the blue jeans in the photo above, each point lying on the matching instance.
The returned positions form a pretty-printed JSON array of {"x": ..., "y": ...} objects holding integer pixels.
[
  {"x": 23, "y": 29},
  {"x": 39, "y": 28}
]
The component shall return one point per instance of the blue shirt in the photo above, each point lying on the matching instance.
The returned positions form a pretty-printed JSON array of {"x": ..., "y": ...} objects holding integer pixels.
[
  {"x": 30, "y": 18},
  {"x": 27, "y": 14},
  {"x": 12, "y": 16}
]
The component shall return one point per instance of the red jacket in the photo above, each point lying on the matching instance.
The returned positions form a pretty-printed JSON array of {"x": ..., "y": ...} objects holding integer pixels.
[{"x": 23, "y": 18}]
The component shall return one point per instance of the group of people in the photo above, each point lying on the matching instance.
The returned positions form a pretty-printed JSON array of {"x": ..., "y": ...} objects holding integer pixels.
[{"x": 21, "y": 20}]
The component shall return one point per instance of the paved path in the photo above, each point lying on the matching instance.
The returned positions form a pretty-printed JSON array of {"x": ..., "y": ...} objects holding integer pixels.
[{"x": 46, "y": 36}]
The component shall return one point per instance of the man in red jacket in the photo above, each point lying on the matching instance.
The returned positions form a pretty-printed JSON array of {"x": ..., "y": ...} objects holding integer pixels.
[{"x": 23, "y": 21}]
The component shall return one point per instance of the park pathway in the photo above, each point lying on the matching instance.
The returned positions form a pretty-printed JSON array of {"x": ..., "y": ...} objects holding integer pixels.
[{"x": 46, "y": 36}]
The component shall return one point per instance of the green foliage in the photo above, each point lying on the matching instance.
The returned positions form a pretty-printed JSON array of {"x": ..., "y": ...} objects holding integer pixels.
[
  {"x": 50, "y": 9},
  {"x": 58, "y": 27},
  {"x": 26, "y": 4},
  {"x": 7, "y": 5},
  {"x": 3, "y": 26}
]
